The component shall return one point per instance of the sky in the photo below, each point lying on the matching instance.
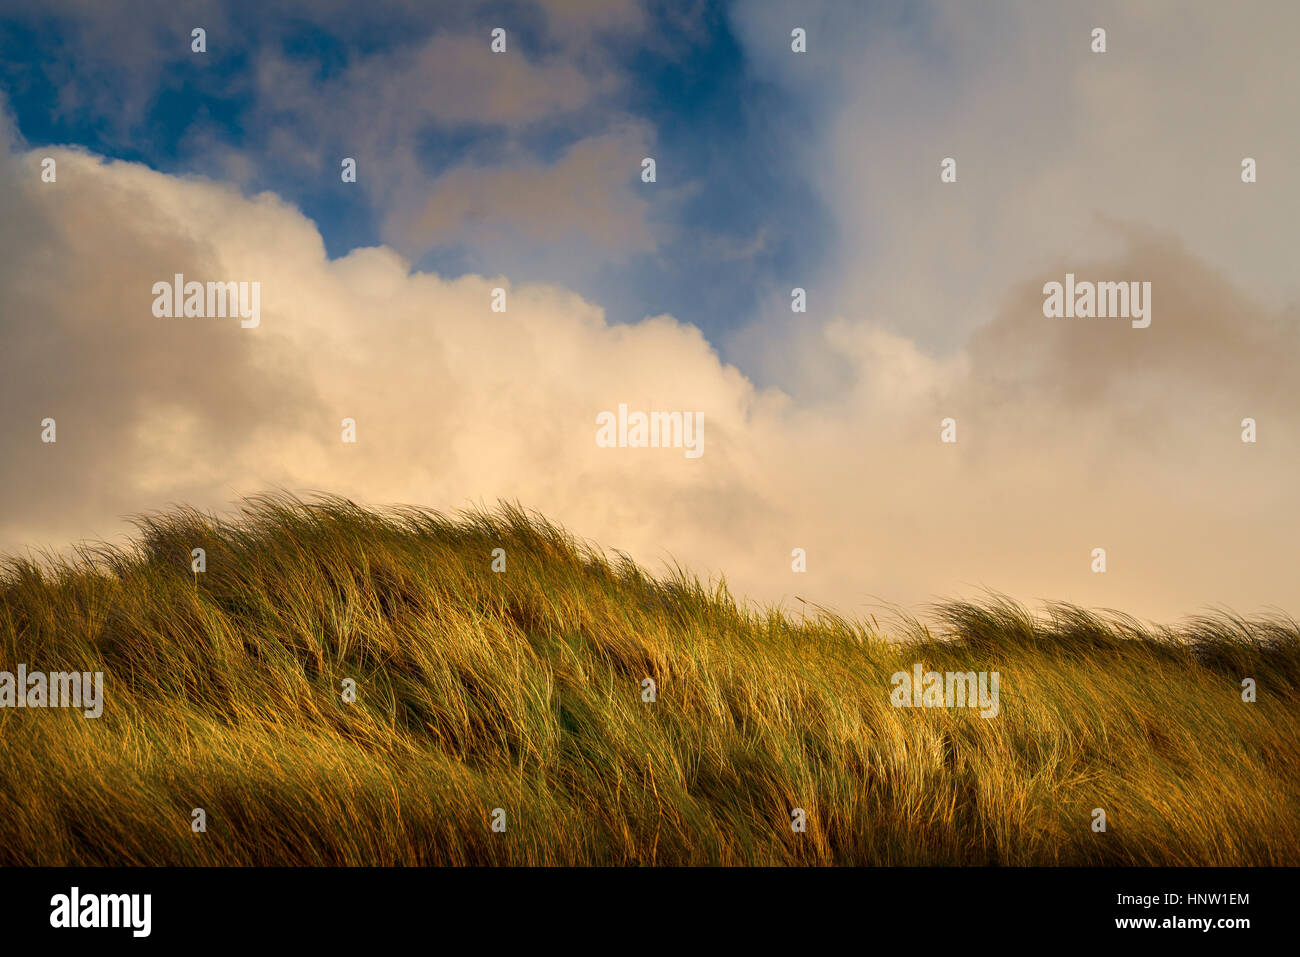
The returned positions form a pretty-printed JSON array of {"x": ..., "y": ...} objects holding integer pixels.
[{"x": 775, "y": 169}]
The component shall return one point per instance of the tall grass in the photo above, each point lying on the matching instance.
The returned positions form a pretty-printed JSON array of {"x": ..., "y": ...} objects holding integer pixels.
[{"x": 522, "y": 690}]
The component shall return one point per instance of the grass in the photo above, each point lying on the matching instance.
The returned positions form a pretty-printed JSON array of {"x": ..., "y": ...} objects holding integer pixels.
[{"x": 522, "y": 690}]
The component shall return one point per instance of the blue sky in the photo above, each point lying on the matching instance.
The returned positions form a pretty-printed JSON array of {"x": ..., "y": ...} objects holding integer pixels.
[{"x": 733, "y": 216}]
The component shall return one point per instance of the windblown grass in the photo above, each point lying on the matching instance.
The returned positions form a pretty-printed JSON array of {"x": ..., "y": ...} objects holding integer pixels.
[{"x": 522, "y": 690}]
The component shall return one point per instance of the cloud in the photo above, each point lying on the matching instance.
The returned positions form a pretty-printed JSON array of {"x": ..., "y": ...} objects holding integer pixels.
[
  {"x": 1052, "y": 143},
  {"x": 578, "y": 19},
  {"x": 453, "y": 402},
  {"x": 451, "y": 78},
  {"x": 1071, "y": 435},
  {"x": 584, "y": 202},
  {"x": 387, "y": 109}
]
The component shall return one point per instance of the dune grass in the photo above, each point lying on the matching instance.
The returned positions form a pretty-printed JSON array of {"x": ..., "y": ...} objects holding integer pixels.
[{"x": 522, "y": 690}]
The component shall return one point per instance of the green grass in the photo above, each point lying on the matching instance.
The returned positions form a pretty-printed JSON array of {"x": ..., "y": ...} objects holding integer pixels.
[{"x": 522, "y": 690}]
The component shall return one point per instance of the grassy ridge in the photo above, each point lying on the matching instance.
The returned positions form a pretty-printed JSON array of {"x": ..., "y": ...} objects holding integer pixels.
[{"x": 522, "y": 690}]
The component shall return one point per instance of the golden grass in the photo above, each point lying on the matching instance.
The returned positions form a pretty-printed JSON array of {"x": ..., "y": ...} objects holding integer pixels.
[{"x": 522, "y": 691}]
